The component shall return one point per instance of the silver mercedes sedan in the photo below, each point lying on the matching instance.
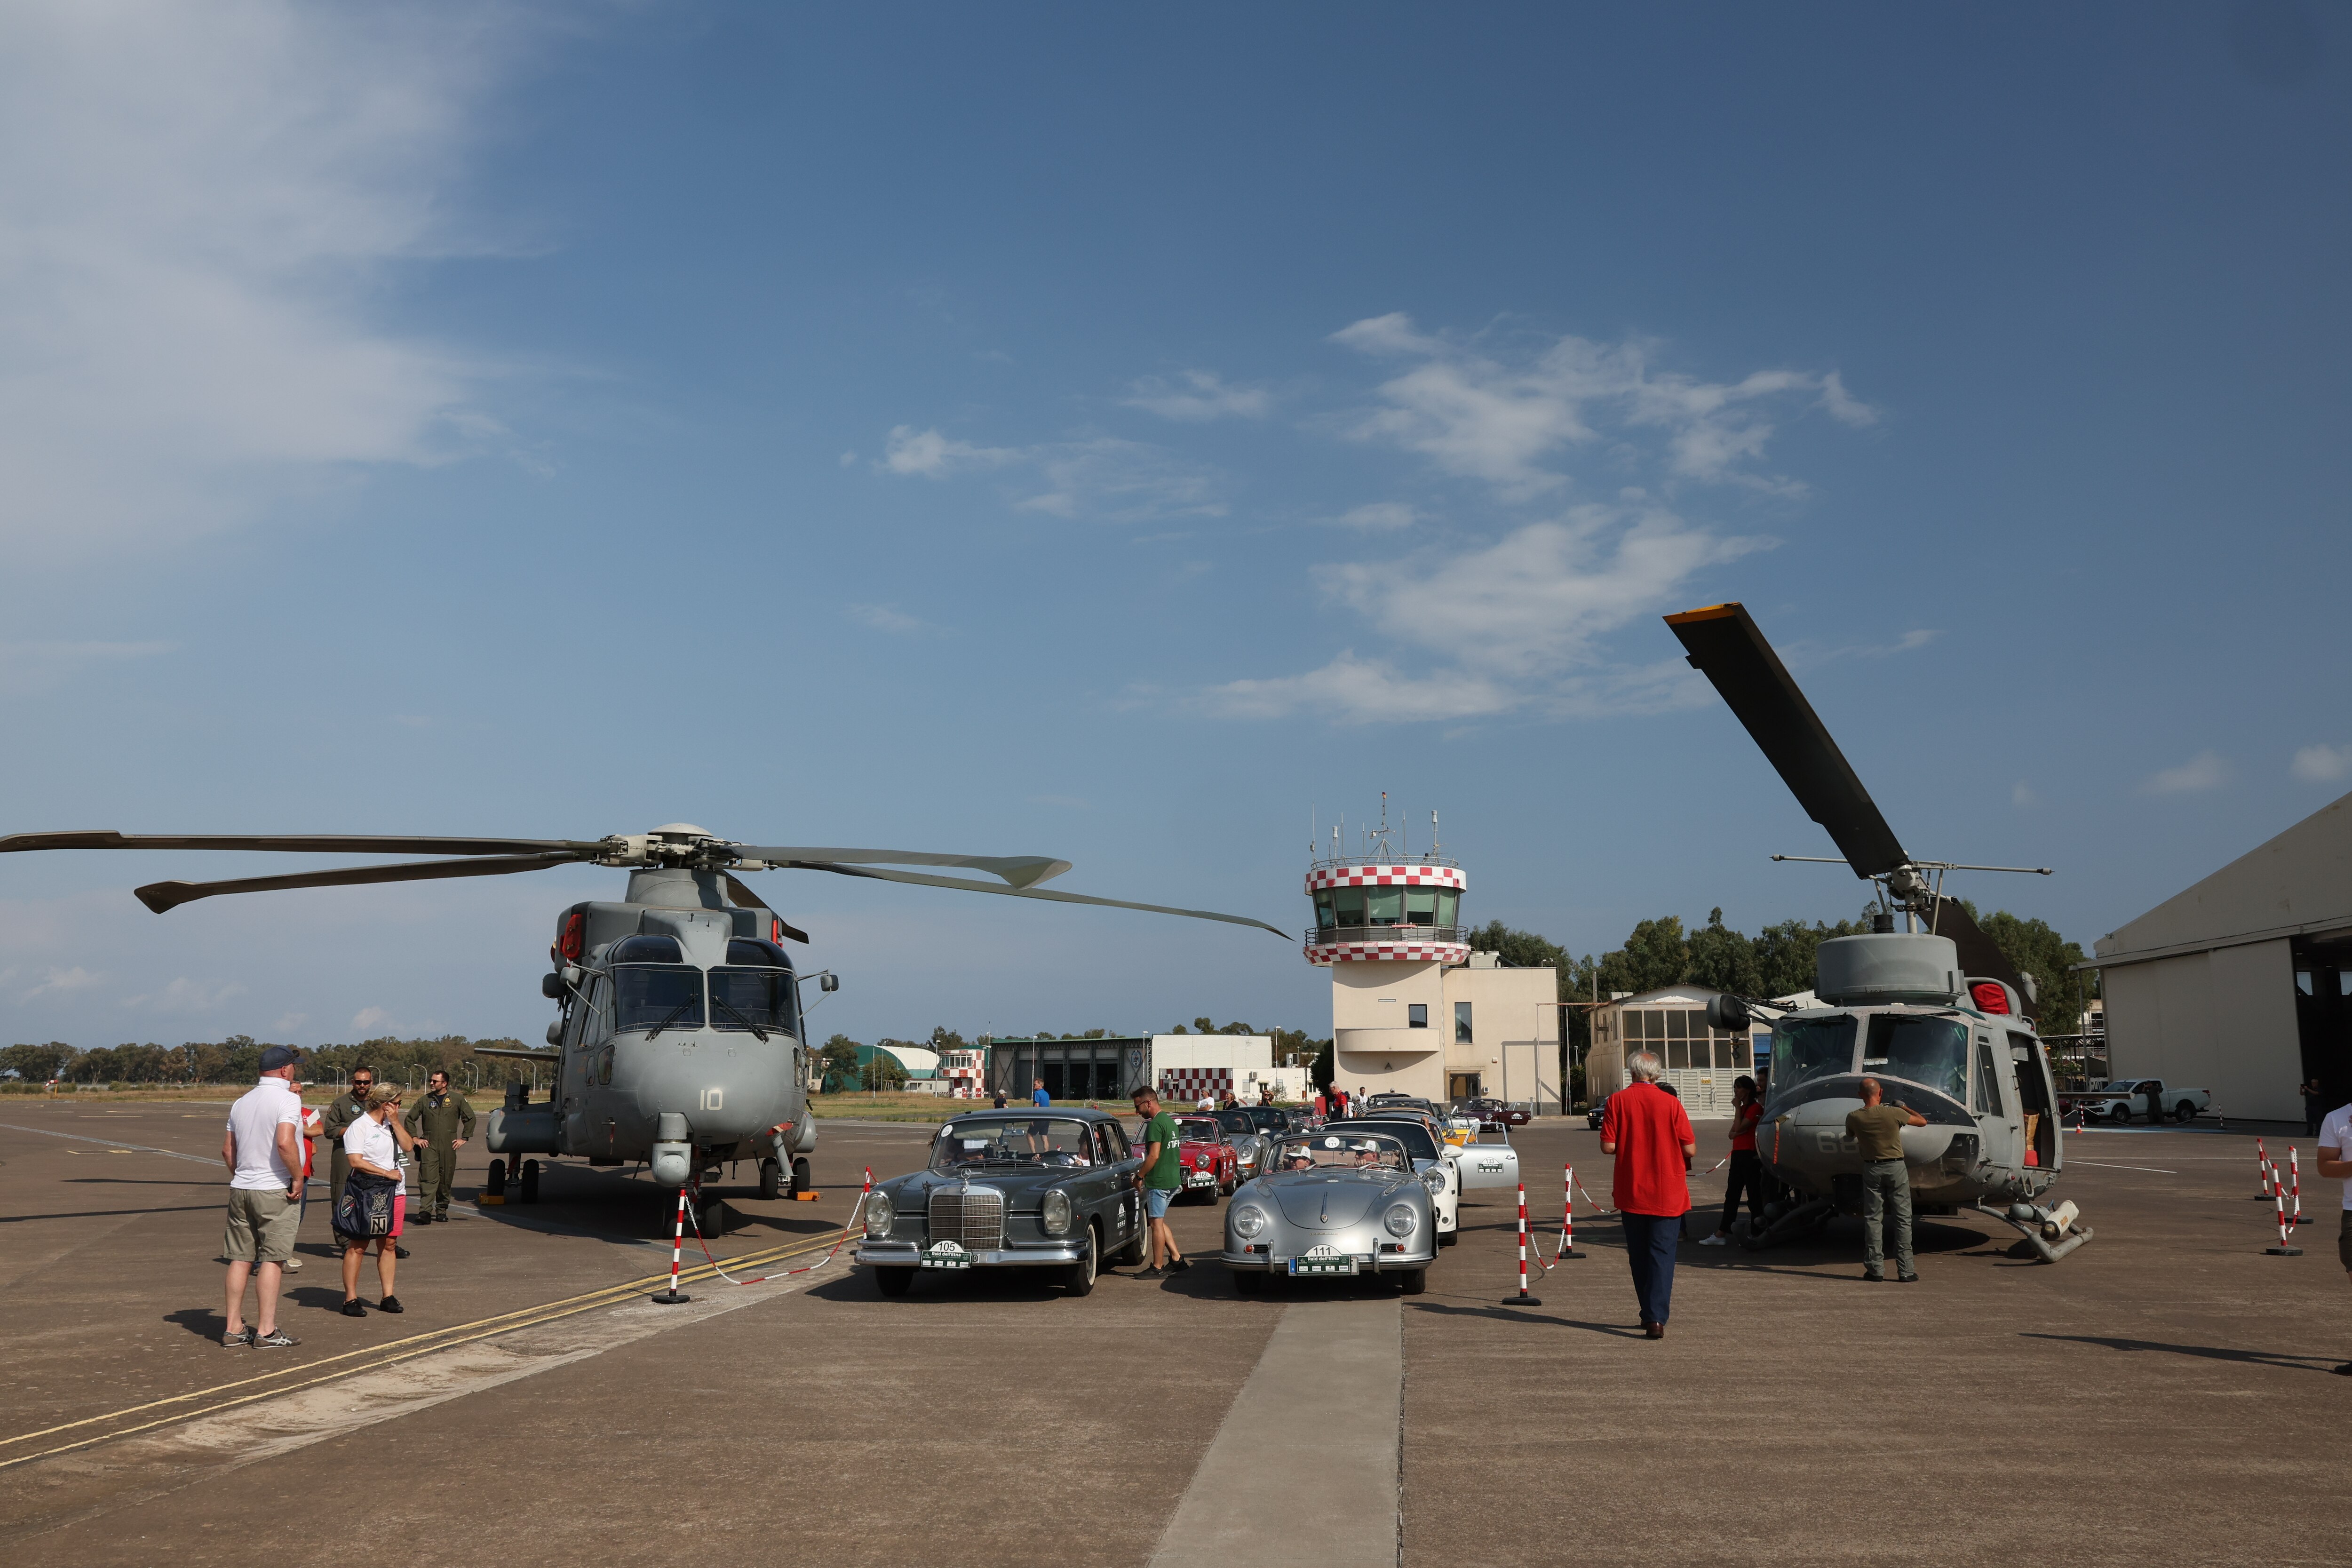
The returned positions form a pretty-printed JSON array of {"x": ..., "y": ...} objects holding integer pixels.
[{"x": 1333, "y": 1204}]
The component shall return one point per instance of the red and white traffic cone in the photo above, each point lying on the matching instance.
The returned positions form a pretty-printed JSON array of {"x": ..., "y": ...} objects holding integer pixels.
[
  {"x": 2285, "y": 1248},
  {"x": 1524, "y": 1298},
  {"x": 1568, "y": 1214},
  {"x": 2262, "y": 1165},
  {"x": 673, "y": 1296}
]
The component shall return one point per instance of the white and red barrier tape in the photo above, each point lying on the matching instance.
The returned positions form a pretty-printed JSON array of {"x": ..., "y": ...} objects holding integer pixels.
[{"x": 856, "y": 1210}]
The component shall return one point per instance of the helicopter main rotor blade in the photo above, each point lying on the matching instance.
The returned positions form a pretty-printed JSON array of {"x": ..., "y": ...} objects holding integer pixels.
[
  {"x": 162, "y": 896},
  {"x": 1726, "y": 647},
  {"x": 301, "y": 844},
  {"x": 1980, "y": 954},
  {"x": 745, "y": 898},
  {"x": 1020, "y": 870},
  {"x": 920, "y": 880}
]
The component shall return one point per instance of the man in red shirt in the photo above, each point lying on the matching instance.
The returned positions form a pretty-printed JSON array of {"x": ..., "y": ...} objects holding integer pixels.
[{"x": 1650, "y": 1134}]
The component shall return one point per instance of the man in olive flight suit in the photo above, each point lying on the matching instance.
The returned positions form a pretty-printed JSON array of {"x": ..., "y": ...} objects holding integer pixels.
[{"x": 440, "y": 1122}]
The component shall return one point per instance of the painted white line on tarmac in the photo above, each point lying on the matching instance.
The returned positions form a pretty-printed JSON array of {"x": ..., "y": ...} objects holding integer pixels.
[
  {"x": 1305, "y": 1464},
  {"x": 113, "y": 1145},
  {"x": 2105, "y": 1165}
]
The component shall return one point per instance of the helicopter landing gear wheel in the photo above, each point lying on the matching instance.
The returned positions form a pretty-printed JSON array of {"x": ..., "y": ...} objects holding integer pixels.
[
  {"x": 530, "y": 1192},
  {"x": 800, "y": 1176},
  {"x": 496, "y": 1186},
  {"x": 771, "y": 1178}
]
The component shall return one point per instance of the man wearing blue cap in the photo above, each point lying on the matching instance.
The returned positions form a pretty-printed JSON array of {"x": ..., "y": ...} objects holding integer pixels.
[{"x": 263, "y": 1152}]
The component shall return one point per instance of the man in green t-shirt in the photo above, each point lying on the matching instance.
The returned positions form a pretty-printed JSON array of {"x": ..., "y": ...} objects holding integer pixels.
[
  {"x": 1877, "y": 1131},
  {"x": 1163, "y": 1176}
]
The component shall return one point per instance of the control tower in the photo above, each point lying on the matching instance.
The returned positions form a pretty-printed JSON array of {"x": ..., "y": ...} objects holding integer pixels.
[{"x": 1412, "y": 1008}]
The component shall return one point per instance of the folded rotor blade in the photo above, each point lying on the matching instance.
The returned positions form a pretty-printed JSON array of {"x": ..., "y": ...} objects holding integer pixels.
[
  {"x": 1020, "y": 870},
  {"x": 518, "y": 1056},
  {"x": 161, "y": 897},
  {"x": 1980, "y": 954},
  {"x": 918, "y": 880},
  {"x": 305, "y": 843},
  {"x": 746, "y": 899},
  {"x": 1726, "y": 647}
]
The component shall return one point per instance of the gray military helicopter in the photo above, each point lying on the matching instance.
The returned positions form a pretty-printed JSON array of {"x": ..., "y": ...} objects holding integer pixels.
[
  {"x": 1938, "y": 1015},
  {"x": 678, "y": 1040}
]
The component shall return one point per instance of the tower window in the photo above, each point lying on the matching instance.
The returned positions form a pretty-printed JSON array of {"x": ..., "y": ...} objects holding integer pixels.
[{"x": 1416, "y": 1014}]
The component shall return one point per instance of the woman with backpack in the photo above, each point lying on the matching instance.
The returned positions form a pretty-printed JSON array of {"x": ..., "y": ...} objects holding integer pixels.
[{"x": 369, "y": 1208}]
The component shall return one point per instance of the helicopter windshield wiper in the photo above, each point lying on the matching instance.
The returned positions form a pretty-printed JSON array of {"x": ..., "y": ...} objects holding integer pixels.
[
  {"x": 718, "y": 1001},
  {"x": 673, "y": 1013}
]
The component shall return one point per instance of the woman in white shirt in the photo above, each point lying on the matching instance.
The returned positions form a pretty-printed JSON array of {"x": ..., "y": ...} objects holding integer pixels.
[{"x": 372, "y": 1143}]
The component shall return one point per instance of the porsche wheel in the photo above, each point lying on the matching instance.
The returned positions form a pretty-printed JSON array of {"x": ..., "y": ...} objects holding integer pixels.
[
  {"x": 1412, "y": 1281},
  {"x": 1248, "y": 1281}
]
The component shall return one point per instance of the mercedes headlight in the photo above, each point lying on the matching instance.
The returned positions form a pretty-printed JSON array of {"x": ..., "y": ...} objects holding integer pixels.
[
  {"x": 880, "y": 1216},
  {"x": 1248, "y": 1220},
  {"x": 1057, "y": 1212},
  {"x": 1399, "y": 1220}
]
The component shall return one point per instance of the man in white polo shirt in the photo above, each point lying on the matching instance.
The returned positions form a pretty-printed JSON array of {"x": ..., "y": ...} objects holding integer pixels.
[
  {"x": 2335, "y": 1160},
  {"x": 263, "y": 1151}
]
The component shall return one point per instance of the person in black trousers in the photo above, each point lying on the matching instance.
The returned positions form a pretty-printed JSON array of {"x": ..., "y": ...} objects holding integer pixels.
[{"x": 1747, "y": 1172}]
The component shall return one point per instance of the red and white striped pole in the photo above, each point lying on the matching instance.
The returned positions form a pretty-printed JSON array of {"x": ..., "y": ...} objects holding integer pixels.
[
  {"x": 2262, "y": 1165},
  {"x": 1524, "y": 1298},
  {"x": 2284, "y": 1249},
  {"x": 673, "y": 1296},
  {"x": 1567, "y": 1213},
  {"x": 2294, "y": 1180}
]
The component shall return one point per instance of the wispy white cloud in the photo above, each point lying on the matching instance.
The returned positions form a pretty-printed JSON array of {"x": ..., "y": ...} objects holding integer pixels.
[
  {"x": 2021, "y": 796},
  {"x": 2205, "y": 770},
  {"x": 197, "y": 208},
  {"x": 29, "y": 667},
  {"x": 1359, "y": 690},
  {"x": 934, "y": 457},
  {"x": 1101, "y": 477},
  {"x": 1501, "y": 414},
  {"x": 62, "y": 982},
  {"x": 1198, "y": 395},
  {"x": 887, "y": 619},
  {"x": 1379, "y": 517},
  {"x": 2322, "y": 765},
  {"x": 368, "y": 1018},
  {"x": 186, "y": 995}
]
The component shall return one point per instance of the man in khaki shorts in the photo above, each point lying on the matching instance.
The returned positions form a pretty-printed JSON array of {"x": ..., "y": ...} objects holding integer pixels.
[{"x": 263, "y": 1152}]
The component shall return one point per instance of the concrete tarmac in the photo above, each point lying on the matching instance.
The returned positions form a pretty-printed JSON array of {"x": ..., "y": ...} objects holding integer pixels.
[{"x": 2162, "y": 1396}]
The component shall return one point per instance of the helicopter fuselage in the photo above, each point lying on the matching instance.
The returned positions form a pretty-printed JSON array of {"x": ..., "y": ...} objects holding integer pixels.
[
  {"x": 1980, "y": 1079},
  {"x": 680, "y": 1025}
]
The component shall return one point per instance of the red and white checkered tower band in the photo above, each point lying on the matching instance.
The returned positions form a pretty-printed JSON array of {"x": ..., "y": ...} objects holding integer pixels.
[
  {"x": 1387, "y": 874},
  {"x": 1187, "y": 1085}
]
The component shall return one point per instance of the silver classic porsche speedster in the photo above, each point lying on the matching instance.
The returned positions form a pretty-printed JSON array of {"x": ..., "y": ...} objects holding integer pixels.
[{"x": 1333, "y": 1204}]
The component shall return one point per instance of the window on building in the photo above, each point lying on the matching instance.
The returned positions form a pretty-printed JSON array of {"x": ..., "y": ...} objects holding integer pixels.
[
  {"x": 1420, "y": 906},
  {"x": 1449, "y": 905},
  {"x": 2303, "y": 981},
  {"x": 1416, "y": 1014},
  {"x": 1384, "y": 906},
  {"x": 1348, "y": 904},
  {"x": 1462, "y": 1023}
]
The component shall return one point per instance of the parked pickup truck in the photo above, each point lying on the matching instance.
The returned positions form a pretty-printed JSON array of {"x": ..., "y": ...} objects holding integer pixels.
[{"x": 2119, "y": 1100}]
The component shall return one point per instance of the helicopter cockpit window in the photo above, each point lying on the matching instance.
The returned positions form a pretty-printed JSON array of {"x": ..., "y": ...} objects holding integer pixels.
[
  {"x": 759, "y": 1000},
  {"x": 1805, "y": 1049},
  {"x": 1920, "y": 1048},
  {"x": 757, "y": 954},
  {"x": 652, "y": 985}
]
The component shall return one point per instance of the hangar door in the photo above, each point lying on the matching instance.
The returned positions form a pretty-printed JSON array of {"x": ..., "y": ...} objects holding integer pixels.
[{"x": 2322, "y": 1014}]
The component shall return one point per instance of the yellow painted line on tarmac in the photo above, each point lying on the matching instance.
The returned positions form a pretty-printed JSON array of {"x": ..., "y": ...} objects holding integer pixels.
[{"x": 504, "y": 1322}]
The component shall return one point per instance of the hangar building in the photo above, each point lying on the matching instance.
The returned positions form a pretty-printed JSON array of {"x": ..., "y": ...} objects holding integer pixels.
[{"x": 2243, "y": 984}]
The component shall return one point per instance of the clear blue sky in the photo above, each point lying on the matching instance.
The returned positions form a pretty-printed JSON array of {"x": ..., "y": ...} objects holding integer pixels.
[{"x": 1118, "y": 434}]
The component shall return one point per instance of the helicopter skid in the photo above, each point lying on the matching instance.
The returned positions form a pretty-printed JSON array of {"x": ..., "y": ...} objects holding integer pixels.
[
  {"x": 2033, "y": 1229},
  {"x": 1803, "y": 1220}
]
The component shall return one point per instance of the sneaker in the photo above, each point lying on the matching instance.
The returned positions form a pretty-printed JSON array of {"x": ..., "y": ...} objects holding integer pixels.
[
  {"x": 1715, "y": 1241},
  {"x": 420, "y": 1218},
  {"x": 1150, "y": 1274},
  {"x": 1907, "y": 1279},
  {"x": 1874, "y": 1279},
  {"x": 1180, "y": 1264},
  {"x": 389, "y": 1304},
  {"x": 242, "y": 1339},
  {"x": 440, "y": 1216},
  {"x": 292, "y": 1264},
  {"x": 352, "y": 1309},
  {"x": 398, "y": 1250},
  {"x": 275, "y": 1340}
]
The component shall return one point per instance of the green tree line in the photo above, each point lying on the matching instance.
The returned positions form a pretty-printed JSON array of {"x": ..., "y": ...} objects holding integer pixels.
[{"x": 238, "y": 1060}]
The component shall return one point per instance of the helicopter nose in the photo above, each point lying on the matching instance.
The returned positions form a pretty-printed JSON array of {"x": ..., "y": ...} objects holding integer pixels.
[{"x": 706, "y": 1078}]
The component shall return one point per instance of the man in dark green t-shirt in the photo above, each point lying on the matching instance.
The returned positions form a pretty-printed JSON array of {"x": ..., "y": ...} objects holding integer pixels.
[
  {"x": 1877, "y": 1131},
  {"x": 1163, "y": 1176}
]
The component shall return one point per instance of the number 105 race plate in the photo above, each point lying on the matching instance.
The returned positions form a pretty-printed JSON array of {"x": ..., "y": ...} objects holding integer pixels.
[{"x": 946, "y": 1255}]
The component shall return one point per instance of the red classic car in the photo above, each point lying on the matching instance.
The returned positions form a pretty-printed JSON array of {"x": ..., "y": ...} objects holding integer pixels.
[{"x": 1211, "y": 1167}]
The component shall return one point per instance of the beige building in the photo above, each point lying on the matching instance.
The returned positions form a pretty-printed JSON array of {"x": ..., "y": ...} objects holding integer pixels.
[
  {"x": 1412, "y": 1008},
  {"x": 2243, "y": 984},
  {"x": 1700, "y": 1062}
]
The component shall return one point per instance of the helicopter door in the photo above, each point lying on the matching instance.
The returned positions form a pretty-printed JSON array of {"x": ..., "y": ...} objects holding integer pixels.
[{"x": 2032, "y": 1080}]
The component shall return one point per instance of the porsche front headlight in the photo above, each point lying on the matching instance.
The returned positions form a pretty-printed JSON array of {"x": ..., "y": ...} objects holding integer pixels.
[
  {"x": 1248, "y": 1220},
  {"x": 880, "y": 1216},
  {"x": 1434, "y": 1179},
  {"x": 1401, "y": 1220},
  {"x": 1057, "y": 1212}
]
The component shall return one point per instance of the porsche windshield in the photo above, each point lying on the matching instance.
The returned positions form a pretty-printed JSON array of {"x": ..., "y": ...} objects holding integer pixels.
[
  {"x": 1921, "y": 1048},
  {"x": 1804, "y": 1049},
  {"x": 1328, "y": 1150},
  {"x": 656, "y": 996},
  {"x": 1012, "y": 1140},
  {"x": 1199, "y": 1130}
]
